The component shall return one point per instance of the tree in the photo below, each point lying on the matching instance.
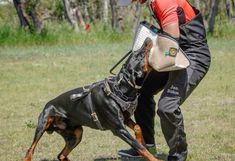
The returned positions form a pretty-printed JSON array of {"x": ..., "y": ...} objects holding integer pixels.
[
  {"x": 28, "y": 14},
  {"x": 36, "y": 20},
  {"x": 197, "y": 4},
  {"x": 69, "y": 15},
  {"x": 117, "y": 17},
  {"x": 85, "y": 26},
  {"x": 213, "y": 15},
  {"x": 229, "y": 6},
  {"x": 137, "y": 12},
  {"x": 106, "y": 11},
  {"x": 113, "y": 7},
  {"x": 20, "y": 10},
  {"x": 32, "y": 13}
]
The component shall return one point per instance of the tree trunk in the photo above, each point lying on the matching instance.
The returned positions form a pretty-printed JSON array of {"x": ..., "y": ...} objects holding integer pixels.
[
  {"x": 213, "y": 15},
  {"x": 98, "y": 10},
  {"x": 113, "y": 7},
  {"x": 25, "y": 10},
  {"x": 117, "y": 16},
  {"x": 20, "y": 6},
  {"x": 228, "y": 8},
  {"x": 85, "y": 26},
  {"x": 106, "y": 11},
  {"x": 37, "y": 22},
  {"x": 86, "y": 10},
  {"x": 197, "y": 4},
  {"x": 205, "y": 8},
  {"x": 137, "y": 14},
  {"x": 120, "y": 21},
  {"x": 69, "y": 15}
]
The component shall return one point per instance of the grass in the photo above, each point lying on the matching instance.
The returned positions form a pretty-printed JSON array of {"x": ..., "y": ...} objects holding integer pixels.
[
  {"x": 32, "y": 75},
  {"x": 58, "y": 33}
]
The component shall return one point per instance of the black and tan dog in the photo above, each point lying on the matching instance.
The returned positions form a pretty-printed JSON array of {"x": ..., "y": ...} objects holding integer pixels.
[{"x": 104, "y": 105}]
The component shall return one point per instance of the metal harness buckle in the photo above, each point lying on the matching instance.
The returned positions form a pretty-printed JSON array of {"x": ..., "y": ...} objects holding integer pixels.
[
  {"x": 94, "y": 117},
  {"x": 107, "y": 89}
]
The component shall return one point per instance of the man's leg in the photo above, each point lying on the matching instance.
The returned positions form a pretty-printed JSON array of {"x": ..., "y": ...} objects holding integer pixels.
[
  {"x": 145, "y": 115},
  {"x": 171, "y": 118},
  {"x": 145, "y": 112},
  {"x": 179, "y": 86}
]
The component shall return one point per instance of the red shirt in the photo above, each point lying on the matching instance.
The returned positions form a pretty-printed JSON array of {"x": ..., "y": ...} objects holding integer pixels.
[{"x": 166, "y": 10}]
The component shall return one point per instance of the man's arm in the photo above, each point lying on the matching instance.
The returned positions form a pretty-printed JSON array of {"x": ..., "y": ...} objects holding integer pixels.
[
  {"x": 172, "y": 29},
  {"x": 166, "y": 12}
]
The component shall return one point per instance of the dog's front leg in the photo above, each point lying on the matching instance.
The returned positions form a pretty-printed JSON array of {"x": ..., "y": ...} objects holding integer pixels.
[
  {"x": 138, "y": 132},
  {"x": 125, "y": 135}
]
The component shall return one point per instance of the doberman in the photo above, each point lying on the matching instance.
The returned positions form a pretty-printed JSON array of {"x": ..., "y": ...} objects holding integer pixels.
[{"x": 104, "y": 105}]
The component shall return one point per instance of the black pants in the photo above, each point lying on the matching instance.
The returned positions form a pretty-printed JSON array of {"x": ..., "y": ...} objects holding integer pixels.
[{"x": 177, "y": 86}]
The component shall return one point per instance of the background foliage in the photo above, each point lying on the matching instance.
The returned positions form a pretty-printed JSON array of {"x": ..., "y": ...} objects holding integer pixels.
[
  {"x": 54, "y": 24},
  {"x": 36, "y": 66}
]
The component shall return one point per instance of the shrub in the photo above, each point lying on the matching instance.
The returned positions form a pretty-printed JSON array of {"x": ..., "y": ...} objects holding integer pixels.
[{"x": 53, "y": 33}]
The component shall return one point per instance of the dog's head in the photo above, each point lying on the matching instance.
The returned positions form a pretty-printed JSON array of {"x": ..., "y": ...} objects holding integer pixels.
[{"x": 136, "y": 67}]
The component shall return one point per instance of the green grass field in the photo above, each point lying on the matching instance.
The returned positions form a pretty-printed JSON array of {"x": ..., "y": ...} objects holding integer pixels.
[{"x": 32, "y": 75}]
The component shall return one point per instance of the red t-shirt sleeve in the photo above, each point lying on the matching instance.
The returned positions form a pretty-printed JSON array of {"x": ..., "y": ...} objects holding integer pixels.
[{"x": 166, "y": 11}]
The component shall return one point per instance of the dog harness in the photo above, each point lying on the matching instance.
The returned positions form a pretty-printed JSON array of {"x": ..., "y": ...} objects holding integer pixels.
[
  {"x": 87, "y": 93},
  {"x": 126, "y": 106},
  {"x": 116, "y": 95}
]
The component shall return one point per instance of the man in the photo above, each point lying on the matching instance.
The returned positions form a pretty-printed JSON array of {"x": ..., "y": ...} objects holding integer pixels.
[{"x": 183, "y": 22}]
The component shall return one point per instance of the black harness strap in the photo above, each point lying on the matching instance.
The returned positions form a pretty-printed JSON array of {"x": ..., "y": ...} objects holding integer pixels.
[
  {"x": 93, "y": 113},
  {"x": 128, "y": 106},
  {"x": 87, "y": 93}
]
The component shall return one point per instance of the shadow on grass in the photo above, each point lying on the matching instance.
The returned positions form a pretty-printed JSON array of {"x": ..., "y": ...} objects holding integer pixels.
[{"x": 163, "y": 157}]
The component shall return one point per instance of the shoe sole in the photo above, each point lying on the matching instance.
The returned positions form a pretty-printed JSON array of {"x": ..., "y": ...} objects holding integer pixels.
[
  {"x": 131, "y": 159},
  {"x": 128, "y": 155}
]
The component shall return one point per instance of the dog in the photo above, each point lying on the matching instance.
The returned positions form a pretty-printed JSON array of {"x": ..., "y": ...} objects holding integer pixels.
[{"x": 103, "y": 105}]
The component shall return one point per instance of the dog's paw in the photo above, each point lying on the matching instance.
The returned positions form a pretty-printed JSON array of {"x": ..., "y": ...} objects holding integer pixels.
[{"x": 27, "y": 158}]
